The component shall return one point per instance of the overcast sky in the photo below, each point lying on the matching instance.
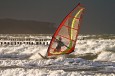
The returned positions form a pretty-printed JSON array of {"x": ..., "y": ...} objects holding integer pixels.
[{"x": 98, "y": 18}]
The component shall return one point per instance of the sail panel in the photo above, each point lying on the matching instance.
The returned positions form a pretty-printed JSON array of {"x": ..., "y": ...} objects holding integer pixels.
[{"x": 68, "y": 32}]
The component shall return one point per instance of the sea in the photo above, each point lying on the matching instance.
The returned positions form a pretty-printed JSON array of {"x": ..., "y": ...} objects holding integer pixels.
[{"x": 94, "y": 55}]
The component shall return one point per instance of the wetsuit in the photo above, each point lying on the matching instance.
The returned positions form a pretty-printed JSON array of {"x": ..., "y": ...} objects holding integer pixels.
[{"x": 60, "y": 44}]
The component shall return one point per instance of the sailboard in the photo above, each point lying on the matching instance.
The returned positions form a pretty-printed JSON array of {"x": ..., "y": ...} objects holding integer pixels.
[{"x": 67, "y": 31}]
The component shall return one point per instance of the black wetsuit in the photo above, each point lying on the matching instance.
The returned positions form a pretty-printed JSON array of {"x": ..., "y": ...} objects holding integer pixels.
[{"x": 60, "y": 44}]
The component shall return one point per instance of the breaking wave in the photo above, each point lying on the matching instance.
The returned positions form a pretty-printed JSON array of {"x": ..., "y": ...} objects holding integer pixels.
[
  {"x": 24, "y": 59},
  {"x": 100, "y": 49}
]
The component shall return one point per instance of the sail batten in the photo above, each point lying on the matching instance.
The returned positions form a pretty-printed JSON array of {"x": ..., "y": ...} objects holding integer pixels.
[
  {"x": 65, "y": 37},
  {"x": 71, "y": 27},
  {"x": 74, "y": 17}
]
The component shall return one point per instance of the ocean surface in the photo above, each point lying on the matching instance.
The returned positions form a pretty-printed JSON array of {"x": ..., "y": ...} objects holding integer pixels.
[{"x": 94, "y": 55}]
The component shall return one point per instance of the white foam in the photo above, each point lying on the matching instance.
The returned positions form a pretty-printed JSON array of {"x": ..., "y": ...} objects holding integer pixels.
[
  {"x": 83, "y": 46},
  {"x": 96, "y": 46},
  {"x": 105, "y": 49}
]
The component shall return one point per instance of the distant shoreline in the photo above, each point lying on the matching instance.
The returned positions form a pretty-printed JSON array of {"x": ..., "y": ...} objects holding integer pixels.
[{"x": 14, "y": 26}]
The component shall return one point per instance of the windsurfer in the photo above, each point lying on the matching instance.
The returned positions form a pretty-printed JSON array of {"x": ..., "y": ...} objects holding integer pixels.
[{"x": 59, "y": 44}]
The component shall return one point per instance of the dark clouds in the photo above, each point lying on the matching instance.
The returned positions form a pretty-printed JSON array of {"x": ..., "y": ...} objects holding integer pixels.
[{"x": 98, "y": 18}]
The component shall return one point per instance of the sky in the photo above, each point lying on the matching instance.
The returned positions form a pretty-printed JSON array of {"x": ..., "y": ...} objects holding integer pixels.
[{"x": 98, "y": 17}]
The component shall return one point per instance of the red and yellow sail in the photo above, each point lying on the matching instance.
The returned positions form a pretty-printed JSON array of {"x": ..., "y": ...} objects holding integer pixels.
[{"x": 68, "y": 31}]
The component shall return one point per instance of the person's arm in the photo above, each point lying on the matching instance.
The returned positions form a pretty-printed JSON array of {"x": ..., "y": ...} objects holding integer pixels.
[
  {"x": 65, "y": 45},
  {"x": 62, "y": 43}
]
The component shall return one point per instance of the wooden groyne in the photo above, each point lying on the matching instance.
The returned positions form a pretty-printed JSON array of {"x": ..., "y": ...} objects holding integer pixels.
[{"x": 26, "y": 41}]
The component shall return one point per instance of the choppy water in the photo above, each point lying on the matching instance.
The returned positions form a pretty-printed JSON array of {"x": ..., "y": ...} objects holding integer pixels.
[{"x": 23, "y": 60}]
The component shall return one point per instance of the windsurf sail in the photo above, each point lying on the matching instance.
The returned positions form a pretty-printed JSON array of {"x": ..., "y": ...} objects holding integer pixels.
[{"x": 64, "y": 39}]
